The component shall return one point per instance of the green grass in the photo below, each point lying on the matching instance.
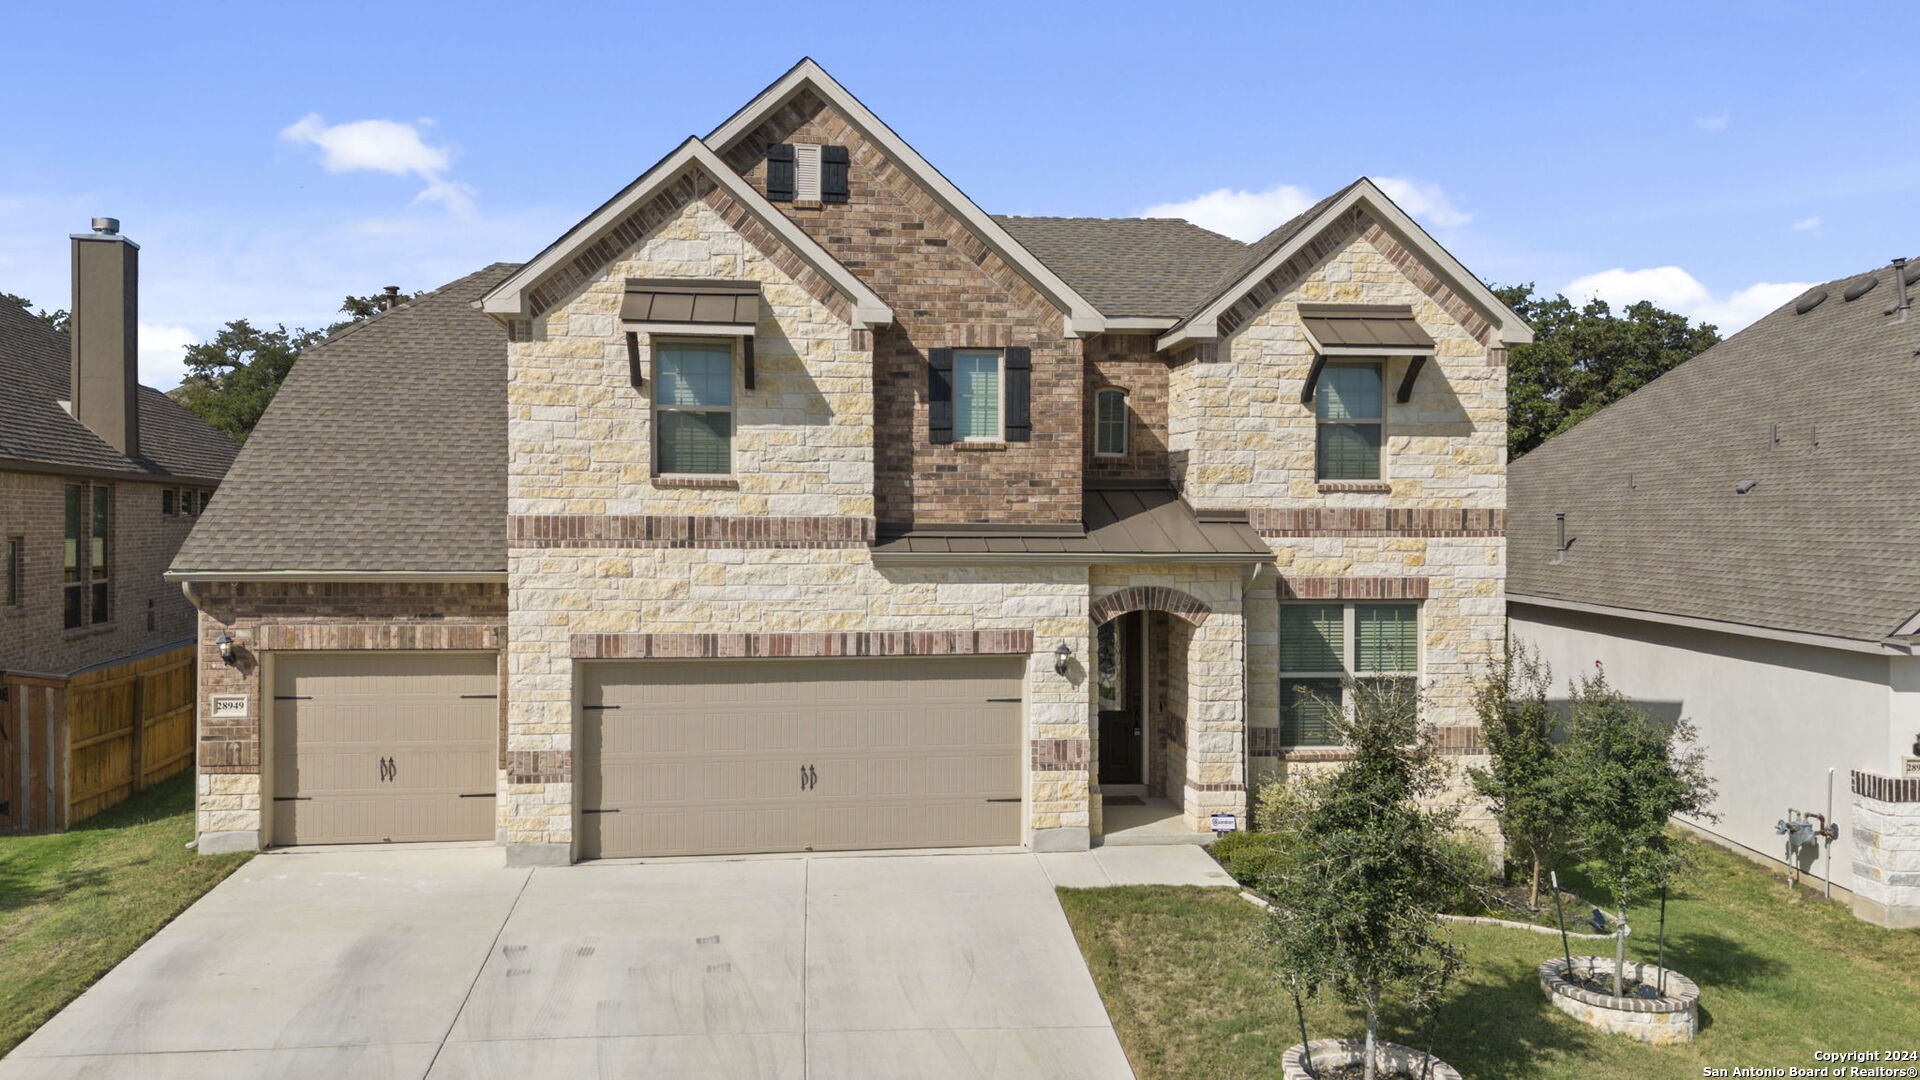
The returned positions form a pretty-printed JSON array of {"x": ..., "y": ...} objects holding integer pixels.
[
  {"x": 1191, "y": 995},
  {"x": 74, "y": 904}
]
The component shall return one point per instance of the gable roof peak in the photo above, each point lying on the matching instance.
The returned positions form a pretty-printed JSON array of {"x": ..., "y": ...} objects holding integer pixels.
[{"x": 1082, "y": 317}]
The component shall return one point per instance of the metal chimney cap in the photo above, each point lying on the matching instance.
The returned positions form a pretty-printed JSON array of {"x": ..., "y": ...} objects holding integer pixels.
[{"x": 106, "y": 226}]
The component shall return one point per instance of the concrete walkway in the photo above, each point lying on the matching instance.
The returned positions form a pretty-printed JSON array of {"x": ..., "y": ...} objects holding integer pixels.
[{"x": 409, "y": 962}]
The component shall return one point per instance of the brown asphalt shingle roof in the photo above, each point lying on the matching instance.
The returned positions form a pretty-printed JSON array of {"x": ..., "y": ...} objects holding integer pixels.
[
  {"x": 1129, "y": 267},
  {"x": 35, "y": 372},
  {"x": 1827, "y": 541},
  {"x": 385, "y": 449}
]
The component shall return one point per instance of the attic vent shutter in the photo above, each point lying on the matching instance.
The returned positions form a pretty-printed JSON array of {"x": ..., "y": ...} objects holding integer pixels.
[
  {"x": 940, "y": 395},
  {"x": 780, "y": 172},
  {"x": 1019, "y": 394},
  {"x": 833, "y": 174}
]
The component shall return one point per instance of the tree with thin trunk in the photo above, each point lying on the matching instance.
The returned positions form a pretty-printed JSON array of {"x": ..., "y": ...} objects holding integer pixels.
[
  {"x": 1357, "y": 911},
  {"x": 1633, "y": 776},
  {"x": 1527, "y": 782}
]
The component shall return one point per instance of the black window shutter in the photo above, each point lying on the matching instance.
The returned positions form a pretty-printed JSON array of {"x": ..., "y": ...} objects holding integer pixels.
[
  {"x": 1019, "y": 394},
  {"x": 940, "y": 395},
  {"x": 780, "y": 172},
  {"x": 746, "y": 360},
  {"x": 833, "y": 174}
]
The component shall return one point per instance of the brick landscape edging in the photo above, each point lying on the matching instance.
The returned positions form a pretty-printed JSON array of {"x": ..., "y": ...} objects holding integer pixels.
[{"x": 639, "y": 646}]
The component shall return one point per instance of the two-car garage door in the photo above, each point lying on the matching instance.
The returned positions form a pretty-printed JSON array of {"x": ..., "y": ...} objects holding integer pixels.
[{"x": 720, "y": 757}]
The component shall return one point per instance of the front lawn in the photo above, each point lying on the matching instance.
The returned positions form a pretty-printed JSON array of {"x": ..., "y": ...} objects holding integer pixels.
[
  {"x": 74, "y": 904},
  {"x": 1182, "y": 974}
]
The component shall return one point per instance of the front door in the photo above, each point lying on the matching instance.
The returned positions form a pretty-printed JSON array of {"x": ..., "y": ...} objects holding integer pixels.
[{"x": 1120, "y": 648}]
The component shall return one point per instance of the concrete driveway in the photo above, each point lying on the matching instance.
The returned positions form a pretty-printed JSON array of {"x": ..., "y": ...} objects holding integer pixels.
[{"x": 394, "y": 962}]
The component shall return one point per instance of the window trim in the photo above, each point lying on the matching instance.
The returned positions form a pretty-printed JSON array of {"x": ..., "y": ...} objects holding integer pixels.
[
  {"x": 73, "y": 578},
  {"x": 13, "y": 589},
  {"x": 654, "y": 344},
  {"x": 1126, "y": 421},
  {"x": 1349, "y": 658},
  {"x": 1379, "y": 365},
  {"x": 1000, "y": 388}
]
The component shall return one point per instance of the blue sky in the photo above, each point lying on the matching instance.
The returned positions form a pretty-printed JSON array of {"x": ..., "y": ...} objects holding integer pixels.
[{"x": 1708, "y": 156}]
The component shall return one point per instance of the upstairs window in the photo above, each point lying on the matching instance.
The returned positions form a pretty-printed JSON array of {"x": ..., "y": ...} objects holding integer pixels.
[
  {"x": 16, "y": 569},
  {"x": 1110, "y": 423},
  {"x": 976, "y": 395},
  {"x": 807, "y": 172},
  {"x": 1324, "y": 645},
  {"x": 693, "y": 407},
  {"x": 73, "y": 597},
  {"x": 1349, "y": 403},
  {"x": 169, "y": 502},
  {"x": 97, "y": 549}
]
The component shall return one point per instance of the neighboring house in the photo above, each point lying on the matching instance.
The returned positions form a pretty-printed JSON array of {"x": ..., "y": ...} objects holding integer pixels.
[
  {"x": 789, "y": 501},
  {"x": 1738, "y": 542},
  {"x": 100, "y": 480}
]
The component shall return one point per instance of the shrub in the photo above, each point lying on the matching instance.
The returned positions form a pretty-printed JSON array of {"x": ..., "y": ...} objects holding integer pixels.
[{"x": 1252, "y": 857}]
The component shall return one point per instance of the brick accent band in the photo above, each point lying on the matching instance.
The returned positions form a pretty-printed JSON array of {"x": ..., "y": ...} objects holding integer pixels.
[
  {"x": 1272, "y": 521},
  {"x": 539, "y": 766},
  {"x": 1228, "y": 786},
  {"x": 754, "y": 646},
  {"x": 686, "y": 531},
  {"x": 1150, "y": 598},
  {"x": 1062, "y": 755},
  {"x": 1452, "y": 740},
  {"x": 377, "y": 635},
  {"x": 1353, "y": 588},
  {"x": 1886, "y": 788}
]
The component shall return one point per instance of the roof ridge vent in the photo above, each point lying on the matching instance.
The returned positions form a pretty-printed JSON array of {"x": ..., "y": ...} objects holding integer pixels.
[{"x": 1860, "y": 287}]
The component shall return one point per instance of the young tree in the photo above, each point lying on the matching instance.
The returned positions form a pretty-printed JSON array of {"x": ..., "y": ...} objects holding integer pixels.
[
  {"x": 1527, "y": 781},
  {"x": 1633, "y": 775},
  {"x": 1585, "y": 358},
  {"x": 1357, "y": 912},
  {"x": 232, "y": 379}
]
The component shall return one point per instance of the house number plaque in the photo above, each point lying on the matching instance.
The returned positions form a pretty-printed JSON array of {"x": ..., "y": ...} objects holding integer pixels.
[{"x": 228, "y": 705}]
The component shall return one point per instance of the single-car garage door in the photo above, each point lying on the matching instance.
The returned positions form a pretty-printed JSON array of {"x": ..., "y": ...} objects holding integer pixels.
[
  {"x": 371, "y": 747},
  {"x": 717, "y": 757}
]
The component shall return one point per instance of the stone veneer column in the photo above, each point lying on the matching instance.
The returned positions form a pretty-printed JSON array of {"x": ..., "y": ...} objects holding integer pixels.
[
  {"x": 1216, "y": 775},
  {"x": 1060, "y": 789},
  {"x": 1886, "y": 844}
]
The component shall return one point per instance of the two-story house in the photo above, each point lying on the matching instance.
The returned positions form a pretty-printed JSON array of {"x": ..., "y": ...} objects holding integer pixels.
[
  {"x": 100, "y": 480},
  {"x": 789, "y": 501}
]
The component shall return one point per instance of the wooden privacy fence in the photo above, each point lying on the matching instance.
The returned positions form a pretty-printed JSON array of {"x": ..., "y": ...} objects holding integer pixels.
[{"x": 73, "y": 745}]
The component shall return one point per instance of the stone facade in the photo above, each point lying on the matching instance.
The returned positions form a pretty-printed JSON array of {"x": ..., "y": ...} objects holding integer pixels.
[
  {"x": 1433, "y": 529},
  {"x": 1886, "y": 845},
  {"x": 144, "y": 611}
]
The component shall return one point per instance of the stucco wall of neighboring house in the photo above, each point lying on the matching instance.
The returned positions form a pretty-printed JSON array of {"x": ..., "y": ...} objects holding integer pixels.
[
  {"x": 144, "y": 611},
  {"x": 1241, "y": 438},
  {"x": 1773, "y": 716}
]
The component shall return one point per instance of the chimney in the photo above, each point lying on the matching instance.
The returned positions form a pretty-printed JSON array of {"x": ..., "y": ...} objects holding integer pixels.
[
  {"x": 390, "y": 298},
  {"x": 105, "y": 337}
]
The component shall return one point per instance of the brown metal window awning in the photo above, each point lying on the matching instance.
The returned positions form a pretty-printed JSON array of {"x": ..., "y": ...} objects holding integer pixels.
[
  {"x": 665, "y": 306},
  {"x": 1364, "y": 330}
]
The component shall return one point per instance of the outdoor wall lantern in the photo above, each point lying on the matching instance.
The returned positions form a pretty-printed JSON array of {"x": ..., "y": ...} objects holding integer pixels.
[
  {"x": 1061, "y": 657},
  {"x": 225, "y": 644}
]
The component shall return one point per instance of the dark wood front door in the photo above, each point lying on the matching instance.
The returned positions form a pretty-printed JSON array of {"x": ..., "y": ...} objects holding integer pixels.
[{"x": 1120, "y": 656}]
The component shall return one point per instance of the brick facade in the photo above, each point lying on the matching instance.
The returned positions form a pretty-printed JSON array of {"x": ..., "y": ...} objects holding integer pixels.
[
  {"x": 947, "y": 289},
  {"x": 144, "y": 611},
  {"x": 1128, "y": 362},
  {"x": 263, "y": 618}
]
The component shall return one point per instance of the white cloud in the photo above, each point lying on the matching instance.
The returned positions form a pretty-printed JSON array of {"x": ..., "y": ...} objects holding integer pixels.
[
  {"x": 1243, "y": 215},
  {"x": 1807, "y": 224},
  {"x": 1250, "y": 215},
  {"x": 162, "y": 354},
  {"x": 387, "y": 146},
  {"x": 1712, "y": 123},
  {"x": 1673, "y": 288},
  {"x": 1426, "y": 201}
]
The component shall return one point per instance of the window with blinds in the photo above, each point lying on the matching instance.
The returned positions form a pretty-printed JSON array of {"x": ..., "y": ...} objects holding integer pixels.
[
  {"x": 1110, "y": 423},
  {"x": 97, "y": 564},
  {"x": 1324, "y": 645},
  {"x": 693, "y": 407},
  {"x": 976, "y": 395},
  {"x": 73, "y": 594},
  {"x": 1349, "y": 402}
]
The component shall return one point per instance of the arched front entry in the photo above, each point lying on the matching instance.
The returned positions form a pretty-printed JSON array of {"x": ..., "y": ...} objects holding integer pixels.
[
  {"x": 1140, "y": 636},
  {"x": 1150, "y": 598}
]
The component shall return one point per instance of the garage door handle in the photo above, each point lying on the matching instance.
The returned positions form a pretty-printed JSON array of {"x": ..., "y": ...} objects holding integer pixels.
[{"x": 1016, "y": 798}]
